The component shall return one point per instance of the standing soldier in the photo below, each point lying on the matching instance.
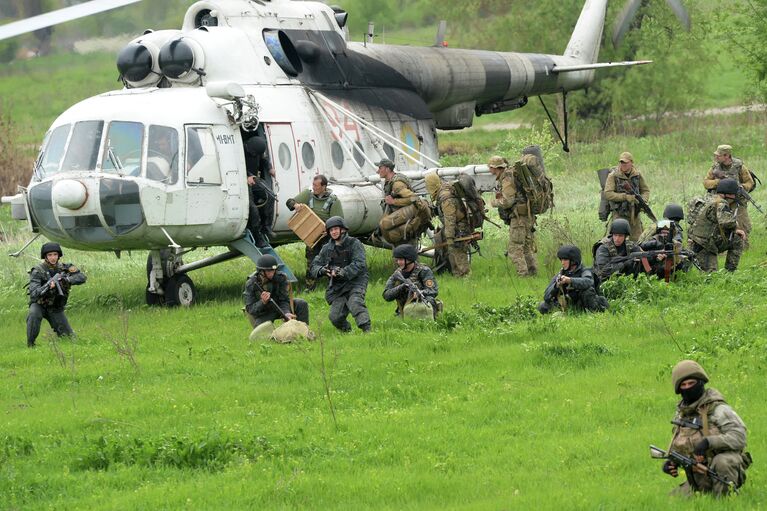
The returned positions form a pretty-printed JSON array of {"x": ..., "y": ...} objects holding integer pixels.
[
  {"x": 574, "y": 287},
  {"x": 268, "y": 296},
  {"x": 612, "y": 253},
  {"x": 623, "y": 185},
  {"x": 261, "y": 213},
  {"x": 716, "y": 229},
  {"x": 342, "y": 260},
  {"x": 454, "y": 218},
  {"x": 411, "y": 282},
  {"x": 49, "y": 284},
  {"x": 725, "y": 166},
  {"x": 708, "y": 430},
  {"x": 513, "y": 208},
  {"x": 325, "y": 204}
]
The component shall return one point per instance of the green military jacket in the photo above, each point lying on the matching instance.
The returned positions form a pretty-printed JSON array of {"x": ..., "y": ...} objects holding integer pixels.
[
  {"x": 723, "y": 428},
  {"x": 325, "y": 205},
  {"x": 715, "y": 224},
  {"x": 401, "y": 191}
]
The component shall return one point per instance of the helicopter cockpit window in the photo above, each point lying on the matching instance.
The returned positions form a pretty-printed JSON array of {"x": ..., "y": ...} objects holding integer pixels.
[
  {"x": 122, "y": 150},
  {"x": 83, "y": 149},
  {"x": 201, "y": 157},
  {"x": 53, "y": 151},
  {"x": 162, "y": 155}
]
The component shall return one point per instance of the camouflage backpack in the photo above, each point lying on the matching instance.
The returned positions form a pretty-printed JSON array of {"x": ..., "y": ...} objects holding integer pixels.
[
  {"x": 465, "y": 189},
  {"x": 537, "y": 186},
  {"x": 694, "y": 208}
]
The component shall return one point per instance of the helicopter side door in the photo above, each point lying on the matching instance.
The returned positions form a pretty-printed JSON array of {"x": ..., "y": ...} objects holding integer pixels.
[
  {"x": 204, "y": 193},
  {"x": 287, "y": 168}
]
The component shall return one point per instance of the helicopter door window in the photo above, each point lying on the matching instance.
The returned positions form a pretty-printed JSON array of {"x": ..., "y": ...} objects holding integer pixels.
[
  {"x": 201, "y": 157},
  {"x": 83, "y": 149},
  {"x": 337, "y": 153},
  {"x": 52, "y": 152},
  {"x": 307, "y": 153},
  {"x": 283, "y": 153},
  {"x": 162, "y": 155},
  {"x": 122, "y": 151}
]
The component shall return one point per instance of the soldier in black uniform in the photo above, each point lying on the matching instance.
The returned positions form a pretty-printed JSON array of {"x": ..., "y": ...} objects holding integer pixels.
[
  {"x": 612, "y": 253},
  {"x": 49, "y": 284},
  {"x": 410, "y": 271},
  {"x": 574, "y": 287},
  {"x": 342, "y": 260},
  {"x": 260, "y": 172},
  {"x": 267, "y": 287}
]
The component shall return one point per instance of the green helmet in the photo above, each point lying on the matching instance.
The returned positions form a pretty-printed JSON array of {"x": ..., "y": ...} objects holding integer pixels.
[
  {"x": 267, "y": 262},
  {"x": 673, "y": 212},
  {"x": 571, "y": 253},
  {"x": 49, "y": 247},
  {"x": 727, "y": 185},
  {"x": 385, "y": 162},
  {"x": 335, "y": 221},
  {"x": 407, "y": 252},
  {"x": 685, "y": 370},
  {"x": 620, "y": 226}
]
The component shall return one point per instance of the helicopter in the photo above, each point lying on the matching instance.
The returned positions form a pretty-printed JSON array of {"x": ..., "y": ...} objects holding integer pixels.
[{"x": 160, "y": 164}]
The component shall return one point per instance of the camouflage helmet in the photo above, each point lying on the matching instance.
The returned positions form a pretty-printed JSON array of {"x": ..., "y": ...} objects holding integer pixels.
[
  {"x": 673, "y": 212},
  {"x": 267, "y": 262},
  {"x": 497, "y": 162},
  {"x": 685, "y": 370},
  {"x": 571, "y": 253},
  {"x": 49, "y": 247},
  {"x": 406, "y": 252},
  {"x": 727, "y": 186},
  {"x": 385, "y": 162},
  {"x": 620, "y": 226},
  {"x": 335, "y": 221},
  {"x": 432, "y": 182}
]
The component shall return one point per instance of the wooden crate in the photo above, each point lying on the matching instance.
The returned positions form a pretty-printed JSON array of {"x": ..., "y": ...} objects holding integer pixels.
[{"x": 307, "y": 226}]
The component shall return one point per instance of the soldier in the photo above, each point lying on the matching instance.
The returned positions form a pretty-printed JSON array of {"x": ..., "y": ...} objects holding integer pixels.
[
  {"x": 708, "y": 429},
  {"x": 725, "y": 166},
  {"x": 325, "y": 204},
  {"x": 620, "y": 188},
  {"x": 268, "y": 295},
  {"x": 675, "y": 214},
  {"x": 411, "y": 282},
  {"x": 716, "y": 229},
  {"x": 342, "y": 260},
  {"x": 398, "y": 194},
  {"x": 49, "y": 284},
  {"x": 454, "y": 218},
  {"x": 574, "y": 287},
  {"x": 612, "y": 255},
  {"x": 664, "y": 238},
  {"x": 512, "y": 206},
  {"x": 262, "y": 198}
]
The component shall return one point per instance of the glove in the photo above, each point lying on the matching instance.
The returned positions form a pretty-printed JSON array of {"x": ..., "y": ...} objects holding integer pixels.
[
  {"x": 701, "y": 447},
  {"x": 670, "y": 468}
]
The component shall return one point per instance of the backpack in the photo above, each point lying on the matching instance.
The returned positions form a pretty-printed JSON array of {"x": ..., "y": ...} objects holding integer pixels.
[
  {"x": 537, "y": 186},
  {"x": 465, "y": 189},
  {"x": 694, "y": 209}
]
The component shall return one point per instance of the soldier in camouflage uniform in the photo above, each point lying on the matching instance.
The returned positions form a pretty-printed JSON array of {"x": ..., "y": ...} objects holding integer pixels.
[
  {"x": 725, "y": 166},
  {"x": 268, "y": 284},
  {"x": 708, "y": 429},
  {"x": 622, "y": 203},
  {"x": 611, "y": 255},
  {"x": 49, "y": 285},
  {"x": 420, "y": 275},
  {"x": 325, "y": 204},
  {"x": 452, "y": 213},
  {"x": 716, "y": 229},
  {"x": 342, "y": 260},
  {"x": 398, "y": 192},
  {"x": 513, "y": 208},
  {"x": 574, "y": 287}
]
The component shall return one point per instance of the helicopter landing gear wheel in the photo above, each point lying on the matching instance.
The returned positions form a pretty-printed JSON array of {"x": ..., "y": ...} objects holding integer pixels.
[{"x": 179, "y": 290}]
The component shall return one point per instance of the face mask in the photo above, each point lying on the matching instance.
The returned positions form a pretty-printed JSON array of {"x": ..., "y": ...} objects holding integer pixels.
[{"x": 692, "y": 394}]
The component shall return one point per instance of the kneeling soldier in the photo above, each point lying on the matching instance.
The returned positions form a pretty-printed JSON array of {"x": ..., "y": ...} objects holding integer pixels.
[
  {"x": 268, "y": 297},
  {"x": 574, "y": 287},
  {"x": 49, "y": 284},
  {"x": 342, "y": 260},
  {"x": 613, "y": 253},
  {"x": 412, "y": 282}
]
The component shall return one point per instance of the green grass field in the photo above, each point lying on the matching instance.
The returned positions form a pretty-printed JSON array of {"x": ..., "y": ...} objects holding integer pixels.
[{"x": 493, "y": 407}]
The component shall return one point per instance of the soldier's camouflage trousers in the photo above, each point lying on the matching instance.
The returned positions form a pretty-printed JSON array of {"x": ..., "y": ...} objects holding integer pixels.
[
  {"x": 457, "y": 257},
  {"x": 55, "y": 317},
  {"x": 728, "y": 465},
  {"x": 354, "y": 303},
  {"x": 521, "y": 248},
  {"x": 709, "y": 261}
]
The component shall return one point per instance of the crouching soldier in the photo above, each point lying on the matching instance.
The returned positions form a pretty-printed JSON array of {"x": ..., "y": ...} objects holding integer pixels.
[
  {"x": 612, "y": 254},
  {"x": 709, "y": 431},
  {"x": 574, "y": 287},
  {"x": 268, "y": 296},
  {"x": 412, "y": 283},
  {"x": 342, "y": 260},
  {"x": 49, "y": 284}
]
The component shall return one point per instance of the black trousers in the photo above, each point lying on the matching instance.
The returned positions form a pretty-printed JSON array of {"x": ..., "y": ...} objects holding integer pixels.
[{"x": 55, "y": 317}]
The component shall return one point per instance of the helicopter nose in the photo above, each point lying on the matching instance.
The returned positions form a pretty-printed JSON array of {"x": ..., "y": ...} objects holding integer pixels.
[{"x": 69, "y": 194}]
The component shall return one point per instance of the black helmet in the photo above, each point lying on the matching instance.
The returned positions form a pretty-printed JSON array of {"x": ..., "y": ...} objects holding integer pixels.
[
  {"x": 407, "y": 252},
  {"x": 255, "y": 146},
  {"x": 571, "y": 253},
  {"x": 727, "y": 185},
  {"x": 620, "y": 226},
  {"x": 267, "y": 262},
  {"x": 50, "y": 247},
  {"x": 335, "y": 221},
  {"x": 673, "y": 212}
]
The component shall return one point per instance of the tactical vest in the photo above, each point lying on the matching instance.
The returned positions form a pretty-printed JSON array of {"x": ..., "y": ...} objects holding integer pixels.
[
  {"x": 327, "y": 201},
  {"x": 388, "y": 185},
  {"x": 341, "y": 255},
  {"x": 733, "y": 171},
  {"x": 623, "y": 208},
  {"x": 705, "y": 231},
  {"x": 685, "y": 438},
  {"x": 612, "y": 250}
]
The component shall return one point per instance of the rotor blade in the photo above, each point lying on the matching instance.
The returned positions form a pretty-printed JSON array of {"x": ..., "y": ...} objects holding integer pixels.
[
  {"x": 623, "y": 22},
  {"x": 681, "y": 13},
  {"x": 598, "y": 65},
  {"x": 60, "y": 16}
]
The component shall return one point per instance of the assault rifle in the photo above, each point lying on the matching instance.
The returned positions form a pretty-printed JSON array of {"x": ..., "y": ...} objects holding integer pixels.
[
  {"x": 745, "y": 195},
  {"x": 56, "y": 281},
  {"x": 411, "y": 287},
  {"x": 643, "y": 206},
  {"x": 472, "y": 238},
  {"x": 688, "y": 463},
  {"x": 271, "y": 300},
  {"x": 331, "y": 272}
]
